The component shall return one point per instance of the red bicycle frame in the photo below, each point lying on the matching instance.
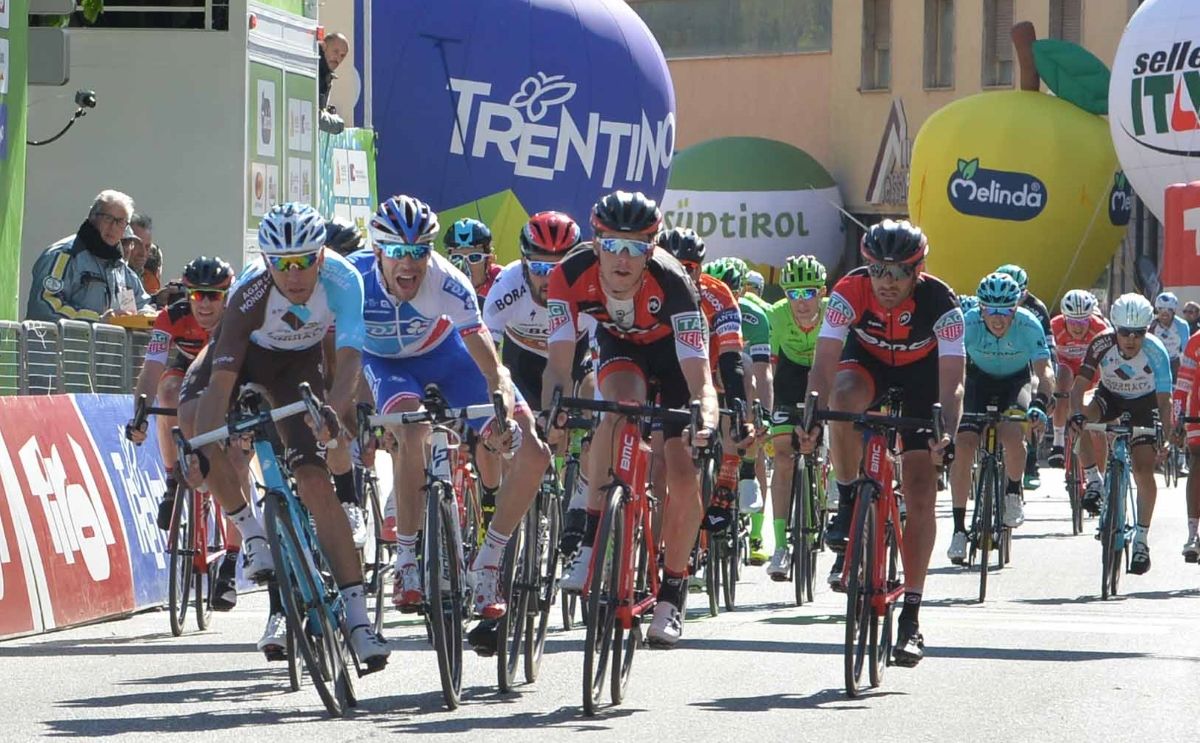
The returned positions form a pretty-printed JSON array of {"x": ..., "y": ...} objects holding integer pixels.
[
  {"x": 205, "y": 506},
  {"x": 877, "y": 467}
]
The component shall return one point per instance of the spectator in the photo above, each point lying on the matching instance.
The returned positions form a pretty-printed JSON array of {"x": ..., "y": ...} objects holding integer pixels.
[
  {"x": 1191, "y": 313},
  {"x": 333, "y": 50},
  {"x": 147, "y": 262},
  {"x": 85, "y": 276}
]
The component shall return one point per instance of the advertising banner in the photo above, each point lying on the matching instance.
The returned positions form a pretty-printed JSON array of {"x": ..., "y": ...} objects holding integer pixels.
[
  {"x": 14, "y": 27},
  {"x": 1181, "y": 240},
  {"x": 348, "y": 176}
]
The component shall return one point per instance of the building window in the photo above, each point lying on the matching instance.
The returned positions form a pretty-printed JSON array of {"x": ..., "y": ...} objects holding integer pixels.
[
  {"x": 1065, "y": 20},
  {"x": 877, "y": 45},
  {"x": 939, "y": 43},
  {"x": 997, "y": 43},
  {"x": 196, "y": 15},
  {"x": 730, "y": 28}
]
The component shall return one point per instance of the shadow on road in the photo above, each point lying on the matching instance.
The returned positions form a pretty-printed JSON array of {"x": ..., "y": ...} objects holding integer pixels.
[
  {"x": 931, "y": 652},
  {"x": 568, "y": 719},
  {"x": 827, "y": 699}
]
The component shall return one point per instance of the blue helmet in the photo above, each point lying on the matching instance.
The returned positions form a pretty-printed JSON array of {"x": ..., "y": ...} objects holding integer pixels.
[
  {"x": 291, "y": 229},
  {"x": 968, "y": 302},
  {"x": 1017, "y": 273},
  {"x": 468, "y": 233},
  {"x": 999, "y": 290},
  {"x": 404, "y": 219}
]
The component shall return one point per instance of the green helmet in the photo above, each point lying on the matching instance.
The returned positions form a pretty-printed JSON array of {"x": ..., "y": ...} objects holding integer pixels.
[
  {"x": 732, "y": 271},
  {"x": 1017, "y": 273},
  {"x": 800, "y": 271}
]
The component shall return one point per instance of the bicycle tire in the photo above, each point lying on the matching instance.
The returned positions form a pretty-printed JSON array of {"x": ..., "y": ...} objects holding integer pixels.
[
  {"x": 206, "y": 584},
  {"x": 858, "y": 593},
  {"x": 801, "y": 565},
  {"x": 712, "y": 572},
  {"x": 813, "y": 530},
  {"x": 510, "y": 629},
  {"x": 545, "y": 558},
  {"x": 180, "y": 542},
  {"x": 886, "y": 637},
  {"x": 299, "y": 593},
  {"x": 999, "y": 530},
  {"x": 569, "y": 601},
  {"x": 295, "y": 670},
  {"x": 444, "y": 603},
  {"x": 600, "y": 604},
  {"x": 382, "y": 566},
  {"x": 626, "y": 642},
  {"x": 1074, "y": 492},
  {"x": 984, "y": 522}
]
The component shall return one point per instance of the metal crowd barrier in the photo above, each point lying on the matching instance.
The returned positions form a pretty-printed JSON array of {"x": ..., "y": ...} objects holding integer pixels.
[{"x": 45, "y": 358}]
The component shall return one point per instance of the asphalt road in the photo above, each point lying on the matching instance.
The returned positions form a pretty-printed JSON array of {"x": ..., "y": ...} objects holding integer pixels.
[{"x": 1044, "y": 658}]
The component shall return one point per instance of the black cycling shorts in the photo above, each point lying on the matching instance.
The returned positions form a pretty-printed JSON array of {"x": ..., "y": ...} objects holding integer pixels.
[
  {"x": 918, "y": 380},
  {"x": 1006, "y": 393},
  {"x": 652, "y": 361},
  {"x": 1141, "y": 411},
  {"x": 791, "y": 381},
  {"x": 527, "y": 368}
]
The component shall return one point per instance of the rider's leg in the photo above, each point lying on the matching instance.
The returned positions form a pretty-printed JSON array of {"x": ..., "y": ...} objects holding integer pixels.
[{"x": 965, "y": 444}]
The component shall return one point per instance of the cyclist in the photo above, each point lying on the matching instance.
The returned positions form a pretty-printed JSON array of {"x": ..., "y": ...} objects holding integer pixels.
[
  {"x": 650, "y": 325},
  {"x": 1187, "y": 403},
  {"x": 1074, "y": 330},
  {"x": 277, "y": 315},
  {"x": 1033, "y": 479},
  {"x": 343, "y": 236},
  {"x": 1135, "y": 377},
  {"x": 1002, "y": 341},
  {"x": 907, "y": 332},
  {"x": 1169, "y": 328},
  {"x": 469, "y": 246},
  {"x": 755, "y": 283},
  {"x": 423, "y": 327},
  {"x": 795, "y": 323}
]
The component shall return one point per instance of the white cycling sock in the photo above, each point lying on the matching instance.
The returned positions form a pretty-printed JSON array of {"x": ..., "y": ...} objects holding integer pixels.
[
  {"x": 1193, "y": 524},
  {"x": 247, "y": 524},
  {"x": 1092, "y": 474},
  {"x": 579, "y": 497},
  {"x": 406, "y": 549},
  {"x": 492, "y": 550},
  {"x": 356, "y": 605},
  {"x": 1140, "y": 533},
  {"x": 1060, "y": 438}
]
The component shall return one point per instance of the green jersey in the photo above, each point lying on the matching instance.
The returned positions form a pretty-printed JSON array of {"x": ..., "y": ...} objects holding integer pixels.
[
  {"x": 789, "y": 339},
  {"x": 756, "y": 328}
]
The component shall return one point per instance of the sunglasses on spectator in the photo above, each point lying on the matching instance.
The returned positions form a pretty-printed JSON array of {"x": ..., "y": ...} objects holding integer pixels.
[
  {"x": 618, "y": 245},
  {"x": 212, "y": 295},
  {"x": 1131, "y": 332},
  {"x": 896, "y": 271},
  {"x": 998, "y": 311},
  {"x": 300, "y": 262},
  {"x": 806, "y": 293},
  {"x": 110, "y": 219},
  {"x": 404, "y": 250},
  {"x": 471, "y": 257},
  {"x": 540, "y": 268}
]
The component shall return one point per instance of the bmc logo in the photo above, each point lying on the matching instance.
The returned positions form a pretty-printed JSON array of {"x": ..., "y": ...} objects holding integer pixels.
[{"x": 995, "y": 194}]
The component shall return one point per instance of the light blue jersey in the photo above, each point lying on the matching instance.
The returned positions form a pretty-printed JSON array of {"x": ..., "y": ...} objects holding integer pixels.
[
  {"x": 1174, "y": 337},
  {"x": 1021, "y": 345}
]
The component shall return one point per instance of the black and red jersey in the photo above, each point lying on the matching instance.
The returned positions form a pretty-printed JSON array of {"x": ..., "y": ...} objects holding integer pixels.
[{"x": 176, "y": 327}]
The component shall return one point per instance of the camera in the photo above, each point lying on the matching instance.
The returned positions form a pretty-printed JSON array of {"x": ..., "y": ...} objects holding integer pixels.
[{"x": 85, "y": 98}]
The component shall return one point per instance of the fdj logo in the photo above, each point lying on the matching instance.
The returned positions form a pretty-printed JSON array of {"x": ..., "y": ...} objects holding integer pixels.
[
  {"x": 1120, "y": 201},
  {"x": 1170, "y": 79},
  {"x": 539, "y": 150},
  {"x": 995, "y": 194}
]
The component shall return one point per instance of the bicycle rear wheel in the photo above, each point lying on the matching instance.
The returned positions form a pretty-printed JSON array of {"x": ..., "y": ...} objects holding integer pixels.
[
  {"x": 379, "y": 571},
  {"x": 544, "y": 557},
  {"x": 859, "y": 615},
  {"x": 814, "y": 526},
  {"x": 985, "y": 523},
  {"x": 206, "y": 583},
  {"x": 626, "y": 642},
  {"x": 444, "y": 603},
  {"x": 510, "y": 630},
  {"x": 180, "y": 542},
  {"x": 1074, "y": 487},
  {"x": 729, "y": 554},
  {"x": 801, "y": 527},
  {"x": 885, "y": 639},
  {"x": 710, "y": 550},
  {"x": 600, "y": 603}
]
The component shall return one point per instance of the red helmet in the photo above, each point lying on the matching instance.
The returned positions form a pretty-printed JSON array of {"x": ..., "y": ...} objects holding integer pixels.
[{"x": 551, "y": 233}]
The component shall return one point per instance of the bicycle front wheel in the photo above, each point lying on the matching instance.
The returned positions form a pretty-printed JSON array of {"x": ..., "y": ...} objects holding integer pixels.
[
  {"x": 601, "y": 601},
  {"x": 543, "y": 555},
  {"x": 859, "y": 614},
  {"x": 984, "y": 525},
  {"x": 444, "y": 595},
  {"x": 180, "y": 541},
  {"x": 1074, "y": 488},
  {"x": 1112, "y": 531},
  {"x": 510, "y": 630}
]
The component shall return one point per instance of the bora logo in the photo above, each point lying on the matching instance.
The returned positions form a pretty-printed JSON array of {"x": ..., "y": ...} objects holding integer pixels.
[{"x": 995, "y": 194}]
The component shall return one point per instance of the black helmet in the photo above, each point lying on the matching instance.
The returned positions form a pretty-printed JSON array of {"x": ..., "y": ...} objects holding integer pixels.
[
  {"x": 621, "y": 211},
  {"x": 343, "y": 236},
  {"x": 207, "y": 273},
  {"x": 683, "y": 243},
  {"x": 895, "y": 242}
]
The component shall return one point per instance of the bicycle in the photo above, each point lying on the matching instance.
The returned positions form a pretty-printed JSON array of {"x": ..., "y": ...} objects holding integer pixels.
[
  {"x": 988, "y": 529},
  {"x": 195, "y": 554},
  {"x": 808, "y": 512},
  {"x": 378, "y": 570},
  {"x": 622, "y": 582},
  {"x": 1116, "y": 526},
  {"x": 873, "y": 563},
  {"x": 578, "y": 429},
  {"x": 445, "y": 544},
  {"x": 313, "y": 604}
]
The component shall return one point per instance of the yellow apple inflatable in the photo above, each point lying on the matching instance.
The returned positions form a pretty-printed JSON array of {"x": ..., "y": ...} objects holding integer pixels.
[{"x": 1018, "y": 177}]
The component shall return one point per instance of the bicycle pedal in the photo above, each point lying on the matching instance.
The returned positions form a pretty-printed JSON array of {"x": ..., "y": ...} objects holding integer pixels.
[
  {"x": 275, "y": 654},
  {"x": 370, "y": 666}
]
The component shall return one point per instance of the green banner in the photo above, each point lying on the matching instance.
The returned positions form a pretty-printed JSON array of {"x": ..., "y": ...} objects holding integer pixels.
[
  {"x": 14, "y": 32},
  {"x": 348, "y": 176}
]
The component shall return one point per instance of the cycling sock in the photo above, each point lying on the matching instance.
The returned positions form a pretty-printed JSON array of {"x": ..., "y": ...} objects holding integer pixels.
[
  {"x": 1014, "y": 486},
  {"x": 1092, "y": 475},
  {"x": 590, "y": 526},
  {"x": 780, "y": 526},
  {"x": 1031, "y": 462},
  {"x": 912, "y": 605},
  {"x": 746, "y": 471},
  {"x": 1060, "y": 437},
  {"x": 356, "y": 605},
  {"x": 579, "y": 497},
  {"x": 1193, "y": 525},
  {"x": 343, "y": 485},
  {"x": 1140, "y": 533},
  {"x": 492, "y": 550},
  {"x": 406, "y": 549},
  {"x": 845, "y": 494},
  {"x": 487, "y": 501},
  {"x": 756, "y": 525},
  {"x": 274, "y": 599},
  {"x": 228, "y": 567},
  {"x": 246, "y": 523},
  {"x": 171, "y": 485},
  {"x": 960, "y": 518},
  {"x": 673, "y": 587}
]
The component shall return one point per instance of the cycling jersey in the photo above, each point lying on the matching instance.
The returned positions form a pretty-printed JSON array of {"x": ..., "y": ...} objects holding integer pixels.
[
  {"x": 756, "y": 327},
  {"x": 1023, "y": 343},
  {"x": 1174, "y": 336},
  {"x": 482, "y": 291},
  {"x": 928, "y": 320},
  {"x": 1149, "y": 371},
  {"x": 445, "y": 303},
  {"x": 723, "y": 316},
  {"x": 258, "y": 314},
  {"x": 176, "y": 329},
  {"x": 1186, "y": 402},
  {"x": 1071, "y": 350},
  {"x": 666, "y": 304},
  {"x": 788, "y": 339}
]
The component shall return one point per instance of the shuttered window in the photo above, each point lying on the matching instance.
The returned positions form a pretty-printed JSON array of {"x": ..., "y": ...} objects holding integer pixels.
[
  {"x": 1066, "y": 21},
  {"x": 997, "y": 43},
  {"x": 877, "y": 45},
  {"x": 939, "y": 43}
]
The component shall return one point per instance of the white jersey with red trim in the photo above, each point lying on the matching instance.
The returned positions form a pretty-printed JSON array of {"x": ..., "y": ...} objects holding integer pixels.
[{"x": 510, "y": 312}]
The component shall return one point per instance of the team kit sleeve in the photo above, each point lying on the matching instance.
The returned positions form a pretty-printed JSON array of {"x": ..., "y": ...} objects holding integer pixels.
[
  {"x": 1038, "y": 348},
  {"x": 495, "y": 311},
  {"x": 560, "y": 309},
  {"x": 159, "y": 346},
  {"x": 681, "y": 308},
  {"x": 1187, "y": 373},
  {"x": 756, "y": 328},
  {"x": 1160, "y": 364},
  {"x": 1095, "y": 352},
  {"x": 950, "y": 327},
  {"x": 839, "y": 313},
  {"x": 346, "y": 301}
]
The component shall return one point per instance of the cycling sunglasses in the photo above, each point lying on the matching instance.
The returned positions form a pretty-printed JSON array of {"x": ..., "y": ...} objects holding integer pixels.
[
  {"x": 1078, "y": 320},
  {"x": 404, "y": 250},
  {"x": 1131, "y": 332},
  {"x": 805, "y": 293},
  {"x": 212, "y": 295},
  {"x": 301, "y": 262},
  {"x": 618, "y": 245},
  {"x": 540, "y": 268},
  {"x": 997, "y": 311},
  {"x": 896, "y": 271},
  {"x": 470, "y": 257}
]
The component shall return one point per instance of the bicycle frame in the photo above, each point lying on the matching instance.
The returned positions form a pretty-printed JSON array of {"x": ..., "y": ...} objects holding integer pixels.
[{"x": 877, "y": 466}]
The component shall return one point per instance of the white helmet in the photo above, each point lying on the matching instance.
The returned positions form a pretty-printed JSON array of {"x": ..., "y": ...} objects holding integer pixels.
[
  {"x": 1079, "y": 304},
  {"x": 1166, "y": 301},
  {"x": 1131, "y": 311}
]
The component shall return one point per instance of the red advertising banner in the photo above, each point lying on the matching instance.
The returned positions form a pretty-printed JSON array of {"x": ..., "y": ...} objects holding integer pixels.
[
  {"x": 1181, "y": 235},
  {"x": 61, "y": 513}
]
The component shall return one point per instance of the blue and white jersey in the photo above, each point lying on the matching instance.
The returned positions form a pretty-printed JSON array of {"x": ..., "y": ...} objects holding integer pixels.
[
  {"x": 1023, "y": 343},
  {"x": 1148, "y": 372},
  {"x": 445, "y": 304},
  {"x": 257, "y": 308},
  {"x": 1174, "y": 336}
]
